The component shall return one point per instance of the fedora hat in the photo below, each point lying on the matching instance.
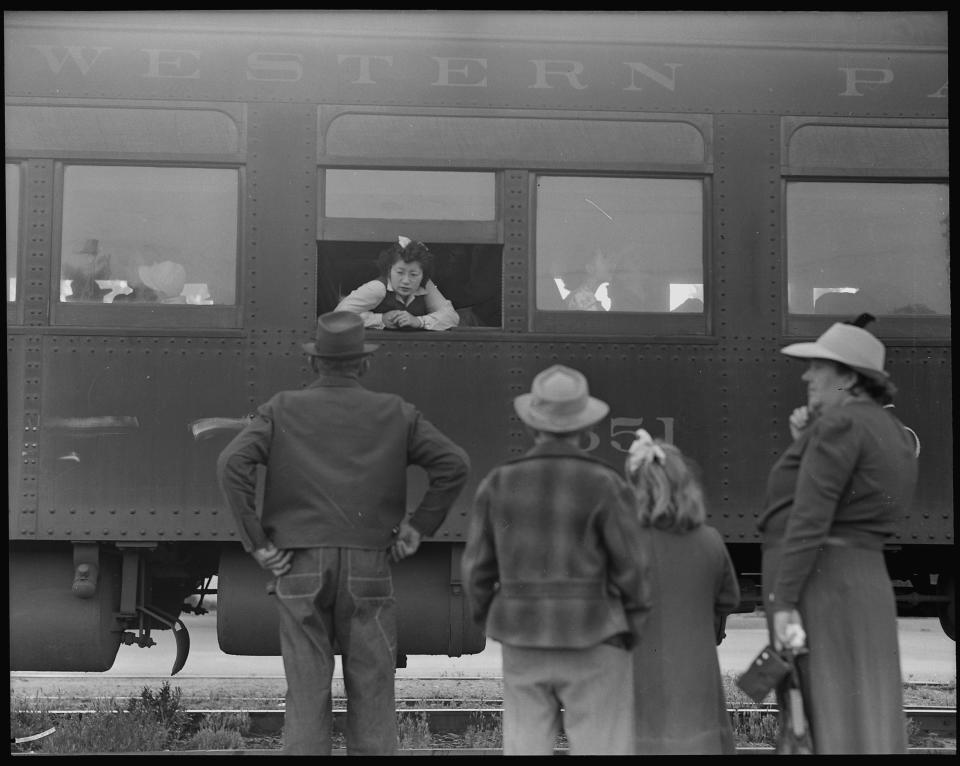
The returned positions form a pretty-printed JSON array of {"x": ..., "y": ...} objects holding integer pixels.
[
  {"x": 90, "y": 247},
  {"x": 559, "y": 402},
  {"x": 848, "y": 344},
  {"x": 339, "y": 336}
]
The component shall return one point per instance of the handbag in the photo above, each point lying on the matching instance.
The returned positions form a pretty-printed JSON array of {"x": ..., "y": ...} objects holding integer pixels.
[{"x": 765, "y": 673}]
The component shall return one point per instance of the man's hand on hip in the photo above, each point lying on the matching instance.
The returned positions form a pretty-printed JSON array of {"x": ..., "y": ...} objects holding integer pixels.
[
  {"x": 406, "y": 542},
  {"x": 274, "y": 559}
]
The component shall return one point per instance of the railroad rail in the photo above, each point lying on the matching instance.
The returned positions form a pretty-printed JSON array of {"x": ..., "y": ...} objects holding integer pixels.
[{"x": 938, "y": 722}]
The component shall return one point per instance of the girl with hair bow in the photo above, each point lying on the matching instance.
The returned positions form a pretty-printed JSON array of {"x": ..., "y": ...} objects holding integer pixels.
[
  {"x": 404, "y": 297},
  {"x": 680, "y": 703}
]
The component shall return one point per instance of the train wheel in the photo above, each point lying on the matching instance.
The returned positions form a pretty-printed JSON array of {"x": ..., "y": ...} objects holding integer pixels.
[
  {"x": 946, "y": 586},
  {"x": 52, "y": 629}
]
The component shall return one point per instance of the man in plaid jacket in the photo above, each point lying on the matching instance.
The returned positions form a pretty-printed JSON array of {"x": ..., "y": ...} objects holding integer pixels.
[{"x": 554, "y": 568}]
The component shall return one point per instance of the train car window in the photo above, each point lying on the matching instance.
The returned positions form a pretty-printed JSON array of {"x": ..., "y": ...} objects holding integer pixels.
[
  {"x": 143, "y": 130},
  {"x": 149, "y": 235},
  {"x": 12, "y": 173},
  {"x": 517, "y": 140},
  {"x": 867, "y": 148},
  {"x": 364, "y": 211},
  {"x": 402, "y": 194},
  {"x": 877, "y": 247},
  {"x": 619, "y": 245},
  {"x": 468, "y": 275}
]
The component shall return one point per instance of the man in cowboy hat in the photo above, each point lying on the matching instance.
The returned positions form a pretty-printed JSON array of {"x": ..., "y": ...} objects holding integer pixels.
[
  {"x": 554, "y": 569},
  {"x": 334, "y": 501}
]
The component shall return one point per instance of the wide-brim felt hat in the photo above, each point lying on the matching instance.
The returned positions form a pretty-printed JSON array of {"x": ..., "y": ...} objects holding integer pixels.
[
  {"x": 340, "y": 335},
  {"x": 559, "y": 402},
  {"x": 90, "y": 247},
  {"x": 848, "y": 344},
  {"x": 165, "y": 277}
]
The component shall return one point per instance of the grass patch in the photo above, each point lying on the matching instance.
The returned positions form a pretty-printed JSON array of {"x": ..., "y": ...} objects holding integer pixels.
[
  {"x": 152, "y": 722},
  {"x": 413, "y": 731},
  {"x": 156, "y": 720}
]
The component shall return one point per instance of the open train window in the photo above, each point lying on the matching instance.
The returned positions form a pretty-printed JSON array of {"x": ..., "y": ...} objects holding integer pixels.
[
  {"x": 454, "y": 213},
  {"x": 865, "y": 246},
  {"x": 468, "y": 275},
  {"x": 608, "y": 249},
  {"x": 141, "y": 239}
]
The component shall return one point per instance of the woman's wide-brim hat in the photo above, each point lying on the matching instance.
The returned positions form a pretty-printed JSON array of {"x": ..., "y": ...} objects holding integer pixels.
[
  {"x": 559, "y": 402},
  {"x": 165, "y": 277},
  {"x": 848, "y": 344},
  {"x": 339, "y": 335}
]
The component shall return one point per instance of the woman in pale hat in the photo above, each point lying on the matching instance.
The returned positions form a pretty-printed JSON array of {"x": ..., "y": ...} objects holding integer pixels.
[
  {"x": 832, "y": 499},
  {"x": 404, "y": 297}
]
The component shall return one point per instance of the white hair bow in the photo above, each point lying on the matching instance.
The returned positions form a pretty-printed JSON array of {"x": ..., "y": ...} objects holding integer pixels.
[
  {"x": 643, "y": 451},
  {"x": 403, "y": 241}
]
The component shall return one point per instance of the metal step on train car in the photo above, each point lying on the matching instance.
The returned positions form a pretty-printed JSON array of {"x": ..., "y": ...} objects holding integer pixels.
[{"x": 720, "y": 184}]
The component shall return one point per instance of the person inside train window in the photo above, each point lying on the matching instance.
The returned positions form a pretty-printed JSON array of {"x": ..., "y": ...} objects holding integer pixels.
[
  {"x": 587, "y": 296},
  {"x": 82, "y": 270},
  {"x": 404, "y": 297},
  {"x": 166, "y": 279},
  {"x": 137, "y": 291},
  {"x": 840, "y": 301},
  {"x": 470, "y": 278}
]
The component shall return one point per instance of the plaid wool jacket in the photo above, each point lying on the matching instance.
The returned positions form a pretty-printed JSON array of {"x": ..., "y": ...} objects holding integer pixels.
[{"x": 554, "y": 554}]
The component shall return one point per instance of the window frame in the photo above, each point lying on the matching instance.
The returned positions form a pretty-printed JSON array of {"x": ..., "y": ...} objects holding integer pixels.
[
  {"x": 490, "y": 232},
  {"x": 934, "y": 330},
  {"x": 634, "y": 323},
  {"x": 15, "y": 307},
  {"x": 152, "y": 315}
]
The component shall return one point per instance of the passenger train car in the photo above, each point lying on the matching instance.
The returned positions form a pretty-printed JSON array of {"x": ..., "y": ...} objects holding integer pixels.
[{"x": 186, "y": 192}]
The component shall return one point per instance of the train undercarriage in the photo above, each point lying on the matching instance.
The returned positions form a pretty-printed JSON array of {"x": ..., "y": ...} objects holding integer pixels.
[{"x": 73, "y": 605}]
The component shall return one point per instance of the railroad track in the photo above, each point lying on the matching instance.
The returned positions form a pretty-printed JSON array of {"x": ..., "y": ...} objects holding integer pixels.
[
  {"x": 448, "y": 719},
  {"x": 451, "y": 720}
]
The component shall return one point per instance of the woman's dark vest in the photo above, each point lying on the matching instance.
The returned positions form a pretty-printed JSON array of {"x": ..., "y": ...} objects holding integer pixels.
[{"x": 390, "y": 302}]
